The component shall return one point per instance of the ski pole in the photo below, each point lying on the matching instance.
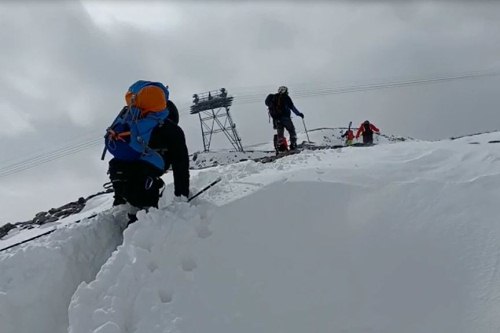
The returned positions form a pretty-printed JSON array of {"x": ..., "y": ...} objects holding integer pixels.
[
  {"x": 206, "y": 188},
  {"x": 305, "y": 128}
]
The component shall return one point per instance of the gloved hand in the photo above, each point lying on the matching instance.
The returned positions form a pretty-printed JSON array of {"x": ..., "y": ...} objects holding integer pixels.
[{"x": 301, "y": 115}]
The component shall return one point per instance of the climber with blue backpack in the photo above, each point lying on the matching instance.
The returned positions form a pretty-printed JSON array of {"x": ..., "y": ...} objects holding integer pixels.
[{"x": 145, "y": 141}]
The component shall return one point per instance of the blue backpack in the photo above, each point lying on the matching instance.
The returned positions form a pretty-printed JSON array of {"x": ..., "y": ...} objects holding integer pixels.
[{"x": 128, "y": 136}]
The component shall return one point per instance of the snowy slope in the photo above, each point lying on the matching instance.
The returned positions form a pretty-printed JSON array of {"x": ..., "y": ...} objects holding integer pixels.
[{"x": 391, "y": 238}]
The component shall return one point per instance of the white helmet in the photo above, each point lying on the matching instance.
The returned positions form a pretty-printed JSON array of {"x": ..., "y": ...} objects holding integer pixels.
[{"x": 282, "y": 90}]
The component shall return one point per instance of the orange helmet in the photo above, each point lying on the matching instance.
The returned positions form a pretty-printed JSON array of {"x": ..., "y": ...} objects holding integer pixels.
[{"x": 148, "y": 99}]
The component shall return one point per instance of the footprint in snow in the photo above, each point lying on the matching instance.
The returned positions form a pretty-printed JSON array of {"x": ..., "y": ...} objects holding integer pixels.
[
  {"x": 188, "y": 264},
  {"x": 165, "y": 296},
  {"x": 203, "y": 231},
  {"x": 152, "y": 266}
]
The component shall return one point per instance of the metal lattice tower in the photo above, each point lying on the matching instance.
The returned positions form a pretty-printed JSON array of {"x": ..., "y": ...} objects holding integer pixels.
[{"x": 213, "y": 109}]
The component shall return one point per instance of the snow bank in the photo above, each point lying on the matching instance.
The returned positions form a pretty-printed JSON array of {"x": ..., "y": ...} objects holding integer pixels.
[
  {"x": 138, "y": 282},
  {"x": 38, "y": 278},
  {"x": 92, "y": 207},
  {"x": 392, "y": 238},
  {"x": 352, "y": 259}
]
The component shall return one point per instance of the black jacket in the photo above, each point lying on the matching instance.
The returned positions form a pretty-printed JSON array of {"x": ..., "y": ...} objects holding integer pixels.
[
  {"x": 281, "y": 105},
  {"x": 169, "y": 140}
]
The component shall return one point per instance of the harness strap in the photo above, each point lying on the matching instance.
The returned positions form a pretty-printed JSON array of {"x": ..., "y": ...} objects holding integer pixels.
[{"x": 118, "y": 136}]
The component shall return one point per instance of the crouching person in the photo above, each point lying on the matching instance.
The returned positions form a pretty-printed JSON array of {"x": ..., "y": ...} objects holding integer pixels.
[{"x": 146, "y": 141}]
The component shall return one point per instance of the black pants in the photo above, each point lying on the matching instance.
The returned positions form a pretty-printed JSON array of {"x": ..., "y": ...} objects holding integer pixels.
[
  {"x": 368, "y": 138},
  {"x": 137, "y": 183},
  {"x": 280, "y": 125}
]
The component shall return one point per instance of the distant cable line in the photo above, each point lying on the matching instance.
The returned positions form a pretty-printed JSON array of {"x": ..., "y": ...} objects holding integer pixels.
[
  {"x": 304, "y": 93},
  {"x": 41, "y": 159},
  {"x": 248, "y": 98}
]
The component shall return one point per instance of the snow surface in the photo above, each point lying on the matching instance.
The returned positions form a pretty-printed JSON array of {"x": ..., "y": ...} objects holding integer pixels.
[{"x": 392, "y": 238}]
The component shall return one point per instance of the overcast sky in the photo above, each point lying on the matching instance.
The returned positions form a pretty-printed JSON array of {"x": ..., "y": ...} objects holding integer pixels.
[{"x": 65, "y": 66}]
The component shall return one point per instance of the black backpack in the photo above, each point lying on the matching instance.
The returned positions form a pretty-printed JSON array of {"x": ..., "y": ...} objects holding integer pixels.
[
  {"x": 367, "y": 129},
  {"x": 275, "y": 109}
]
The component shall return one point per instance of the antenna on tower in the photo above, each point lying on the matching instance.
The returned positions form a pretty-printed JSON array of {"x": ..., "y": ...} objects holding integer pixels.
[{"x": 213, "y": 109}]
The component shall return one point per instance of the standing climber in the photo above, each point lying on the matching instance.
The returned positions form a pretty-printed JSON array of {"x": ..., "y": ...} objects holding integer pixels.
[
  {"x": 348, "y": 135},
  {"x": 366, "y": 129},
  {"x": 280, "y": 106}
]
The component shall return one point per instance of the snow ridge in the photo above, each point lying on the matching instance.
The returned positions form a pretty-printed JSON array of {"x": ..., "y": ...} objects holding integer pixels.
[
  {"x": 138, "y": 280},
  {"x": 39, "y": 278}
]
